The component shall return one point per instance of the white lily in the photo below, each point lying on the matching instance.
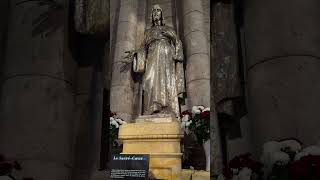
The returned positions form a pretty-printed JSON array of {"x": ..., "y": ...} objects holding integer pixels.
[
  {"x": 279, "y": 157},
  {"x": 188, "y": 123},
  {"x": 120, "y": 121},
  {"x": 185, "y": 118},
  {"x": 235, "y": 177},
  {"x": 201, "y": 107},
  {"x": 245, "y": 174},
  {"x": 311, "y": 150},
  {"x": 221, "y": 177},
  {"x": 115, "y": 123},
  {"x": 292, "y": 144},
  {"x": 196, "y": 110}
]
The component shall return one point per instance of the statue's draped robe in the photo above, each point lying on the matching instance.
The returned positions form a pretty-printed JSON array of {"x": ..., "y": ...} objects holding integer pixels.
[{"x": 161, "y": 62}]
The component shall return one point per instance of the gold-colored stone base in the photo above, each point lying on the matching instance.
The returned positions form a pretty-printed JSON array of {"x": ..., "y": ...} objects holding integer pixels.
[{"x": 161, "y": 141}]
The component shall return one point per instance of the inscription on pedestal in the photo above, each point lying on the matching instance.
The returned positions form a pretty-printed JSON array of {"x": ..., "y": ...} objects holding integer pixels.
[{"x": 130, "y": 166}]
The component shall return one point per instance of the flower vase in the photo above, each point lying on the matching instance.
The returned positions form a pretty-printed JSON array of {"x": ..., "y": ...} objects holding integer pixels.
[{"x": 206, "y": 147}]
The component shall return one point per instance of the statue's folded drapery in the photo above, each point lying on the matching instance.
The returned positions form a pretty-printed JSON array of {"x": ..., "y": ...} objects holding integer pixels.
[{"x": 161, "y": 61}]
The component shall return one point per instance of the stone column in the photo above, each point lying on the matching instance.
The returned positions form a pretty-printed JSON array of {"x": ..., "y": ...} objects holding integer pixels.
[
  {"x": 96, "y": 117},
  {"x": 223, "y": 61},
  {"x": 89, "y": 104},
  {"x": 4, "y": 13},
  {"x": 196, "y": 53},
  {"x": 82, "y": 167},
  {"x": 226, "y": 76},
  {"x": 283, "y": 52},
  {"x": 121, "y": 84},
  {"x": 37, "y": 100}
]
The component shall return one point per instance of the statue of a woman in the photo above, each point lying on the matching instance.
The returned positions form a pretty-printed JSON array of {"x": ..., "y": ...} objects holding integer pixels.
[{"x": 160, "y": 60}]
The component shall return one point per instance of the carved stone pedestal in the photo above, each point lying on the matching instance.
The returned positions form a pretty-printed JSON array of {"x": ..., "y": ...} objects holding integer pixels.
[{"x": 161, "y": 140}]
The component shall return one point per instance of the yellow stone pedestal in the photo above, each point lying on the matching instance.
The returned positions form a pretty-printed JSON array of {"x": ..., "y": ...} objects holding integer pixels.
[{"x": 161, "y": 140}]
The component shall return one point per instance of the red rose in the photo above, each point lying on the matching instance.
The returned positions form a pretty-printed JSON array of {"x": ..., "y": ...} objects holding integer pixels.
[
  {"x": 227, "y": 172},
  {"x": 235, "y": 163},
  {"x": 186, "y": 112},
  {"x": 5, "y": 168},
  {"x": 205, "y": 114},
  {"x": 256, "y": 167}
]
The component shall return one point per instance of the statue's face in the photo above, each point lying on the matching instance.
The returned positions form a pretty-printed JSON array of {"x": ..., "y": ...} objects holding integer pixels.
[{"x": 156, "y": 14}]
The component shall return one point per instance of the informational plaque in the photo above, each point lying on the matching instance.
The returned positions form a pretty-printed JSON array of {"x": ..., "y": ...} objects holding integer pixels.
[{"x": 129, "y": 166}]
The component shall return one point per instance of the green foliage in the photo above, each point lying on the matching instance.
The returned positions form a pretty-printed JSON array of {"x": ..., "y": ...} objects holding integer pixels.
[
  {"x": 200, "y": 126},
  {"x": 114, "y": 131}
]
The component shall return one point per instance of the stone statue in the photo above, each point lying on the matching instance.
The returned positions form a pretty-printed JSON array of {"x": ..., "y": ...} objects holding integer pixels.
[{"x": 160, "y": 61}]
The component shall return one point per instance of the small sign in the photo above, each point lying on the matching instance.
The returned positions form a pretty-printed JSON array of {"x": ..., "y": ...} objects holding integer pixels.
[{"x": 129, "y": 166}]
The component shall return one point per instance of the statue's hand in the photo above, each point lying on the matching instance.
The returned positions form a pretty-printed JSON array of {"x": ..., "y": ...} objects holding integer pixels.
[
  {"x": 166, "y": 34},
  {"x": 130, "y": 55},
  {"x": 125, "y": 67}
]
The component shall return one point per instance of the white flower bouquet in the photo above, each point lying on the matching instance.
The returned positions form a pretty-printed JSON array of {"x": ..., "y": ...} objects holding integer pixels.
[
  {"x": 115, "y": 123},
  {"x": 197, "y": 122}
]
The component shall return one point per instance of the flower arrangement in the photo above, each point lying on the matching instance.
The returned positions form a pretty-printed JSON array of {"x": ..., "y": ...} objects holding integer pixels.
[
  {"x": 7, "y": 167},
  {"x": 281, "y": 160},
  {"x": 115, "y": 123},
  {"x": 242, "y": 167},
  {"x": 197, "y": 122},
  {"x": 277, "y": 155},
  {"x": 308, "y": 167},
  {"x": 287, "y": 159}
]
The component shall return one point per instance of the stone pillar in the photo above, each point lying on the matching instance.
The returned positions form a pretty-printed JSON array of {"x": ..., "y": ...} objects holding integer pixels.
[
  {"x": 82, "y": 167},
  {"x": 226, "y": 76},
  {"x": 96, "y": 116},
  {"x": 283, "y": 51},
  {"x": 197, "y": 54},
  {"x": 37, "y": 100},
  {"x": 219, "y": 54},
  {"x": 89, "y": 104},
  {"x": 121, "y": 84},
  {"x": 4, "y": 13}
]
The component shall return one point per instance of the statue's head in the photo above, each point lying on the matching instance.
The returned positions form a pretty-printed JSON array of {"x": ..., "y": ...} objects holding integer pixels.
[{"x": 156, "y": 15}]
